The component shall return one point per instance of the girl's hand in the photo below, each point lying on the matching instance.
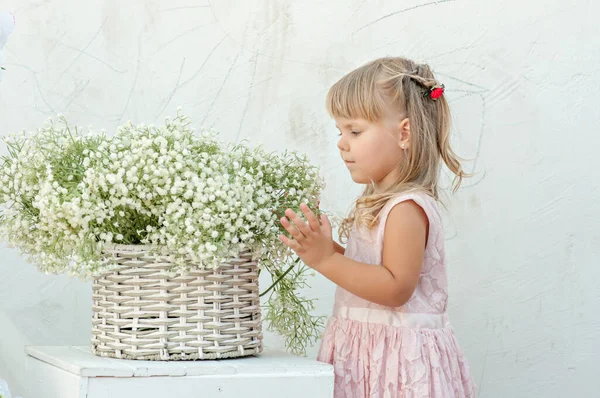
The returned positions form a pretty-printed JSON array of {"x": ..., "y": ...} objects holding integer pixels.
[{"x": 312, "y": 242}]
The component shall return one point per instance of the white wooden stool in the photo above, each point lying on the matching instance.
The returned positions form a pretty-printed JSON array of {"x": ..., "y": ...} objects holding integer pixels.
[{"x": 73, "y": 372}]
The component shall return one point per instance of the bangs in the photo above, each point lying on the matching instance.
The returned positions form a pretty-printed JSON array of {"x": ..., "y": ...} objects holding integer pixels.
[{"x": 356, "y": 96}]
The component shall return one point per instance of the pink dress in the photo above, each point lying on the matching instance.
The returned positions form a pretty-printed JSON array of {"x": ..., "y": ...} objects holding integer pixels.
[{"x": 408, "y": 351}]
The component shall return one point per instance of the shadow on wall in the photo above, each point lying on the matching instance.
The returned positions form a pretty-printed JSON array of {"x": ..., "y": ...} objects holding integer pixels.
[
  {"x": 4, "y": 391},
  {"x": 11, "y": 360},
  {"x": 7, "y": 25}
]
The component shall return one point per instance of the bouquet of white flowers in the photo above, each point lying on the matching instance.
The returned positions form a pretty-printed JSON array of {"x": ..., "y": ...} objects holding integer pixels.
[{"x": 68, "y": 194}]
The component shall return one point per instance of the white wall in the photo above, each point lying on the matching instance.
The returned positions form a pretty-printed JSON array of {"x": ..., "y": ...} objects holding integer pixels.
[{"x": 522, "y": 78}]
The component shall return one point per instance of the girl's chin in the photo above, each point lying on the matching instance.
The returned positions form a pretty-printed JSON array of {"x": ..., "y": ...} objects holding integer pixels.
[
  {"x": 359, "y": 179},
  {"x": 362, "y": 180}
]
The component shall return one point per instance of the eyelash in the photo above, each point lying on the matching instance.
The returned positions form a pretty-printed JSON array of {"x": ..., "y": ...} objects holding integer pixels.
[{"x": 352, "y": 132}]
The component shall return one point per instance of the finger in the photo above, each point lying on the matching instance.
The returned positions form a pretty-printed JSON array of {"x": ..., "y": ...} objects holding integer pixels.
[
  {"x": 293, "y": 231},
  {"x": 291, "y": 243},
  {"x": 310, "y": 216},
  {"x": 327, "y": 230},
  {"x": 298, "y": 222}
]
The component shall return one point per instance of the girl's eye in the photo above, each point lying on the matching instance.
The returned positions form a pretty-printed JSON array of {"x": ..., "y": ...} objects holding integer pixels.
[{"x": 352, "y": 132}]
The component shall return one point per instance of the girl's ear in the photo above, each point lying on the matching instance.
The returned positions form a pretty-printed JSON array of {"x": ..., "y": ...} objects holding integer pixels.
[{"x": 404, "y": 133}]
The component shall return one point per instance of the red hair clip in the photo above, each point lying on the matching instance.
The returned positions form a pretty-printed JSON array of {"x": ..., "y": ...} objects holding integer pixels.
[{"x": 435, "y": 92}]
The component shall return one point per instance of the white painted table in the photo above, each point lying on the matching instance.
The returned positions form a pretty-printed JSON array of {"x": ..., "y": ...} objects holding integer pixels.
[{"x": 73, "y": 372}]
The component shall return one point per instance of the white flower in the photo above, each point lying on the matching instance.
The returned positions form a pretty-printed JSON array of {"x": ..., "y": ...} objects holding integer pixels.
[{"x": 190, "y": 195}]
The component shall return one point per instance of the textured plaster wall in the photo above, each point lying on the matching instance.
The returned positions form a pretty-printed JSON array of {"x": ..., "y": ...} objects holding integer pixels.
[{"x": 522, "y": 78}]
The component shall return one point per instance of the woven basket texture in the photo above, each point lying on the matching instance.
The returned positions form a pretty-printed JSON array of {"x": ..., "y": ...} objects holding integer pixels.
[{"x": 141, "y": 311}]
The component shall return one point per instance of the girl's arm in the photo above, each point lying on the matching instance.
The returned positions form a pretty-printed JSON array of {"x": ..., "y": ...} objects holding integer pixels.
[
  {"x": 339, "y": 248},
  {"x": 390, "y": 284},
  {"x": 393, "y": 283}
]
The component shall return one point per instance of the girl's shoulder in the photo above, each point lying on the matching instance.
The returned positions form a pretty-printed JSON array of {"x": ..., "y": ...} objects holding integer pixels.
[{"x": 427, "y": 202}]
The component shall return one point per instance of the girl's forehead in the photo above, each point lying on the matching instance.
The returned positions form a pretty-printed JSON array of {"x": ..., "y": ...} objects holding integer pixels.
[
  {"x": 346, "y": 123},
  {"x": 342, "y": 122}
]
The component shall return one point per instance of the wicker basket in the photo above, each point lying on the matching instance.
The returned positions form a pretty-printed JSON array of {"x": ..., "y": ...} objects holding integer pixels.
[{"x": 140, "y": 312}]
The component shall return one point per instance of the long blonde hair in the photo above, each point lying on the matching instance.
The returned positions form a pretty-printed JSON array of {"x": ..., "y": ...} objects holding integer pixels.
[{"x": 400, "y": 84}]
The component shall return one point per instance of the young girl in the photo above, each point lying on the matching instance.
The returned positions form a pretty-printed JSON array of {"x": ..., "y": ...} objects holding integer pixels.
[{"x": 389, "y": 335}]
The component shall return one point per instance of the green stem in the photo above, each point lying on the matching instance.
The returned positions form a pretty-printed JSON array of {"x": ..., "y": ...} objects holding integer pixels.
[{"x": 280, "y": 278}]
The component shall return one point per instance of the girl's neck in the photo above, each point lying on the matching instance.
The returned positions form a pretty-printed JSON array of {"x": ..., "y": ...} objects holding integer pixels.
[{"x": 386, "y": 182}]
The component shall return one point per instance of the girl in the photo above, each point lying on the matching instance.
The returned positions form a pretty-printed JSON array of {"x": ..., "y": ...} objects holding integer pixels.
[{"x": 389, "y": 335}]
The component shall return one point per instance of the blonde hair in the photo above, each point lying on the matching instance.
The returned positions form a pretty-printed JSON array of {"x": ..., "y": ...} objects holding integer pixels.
[{"x": 399, "y": 84}]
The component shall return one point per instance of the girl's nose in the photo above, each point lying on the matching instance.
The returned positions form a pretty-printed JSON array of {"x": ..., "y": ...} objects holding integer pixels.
[{"x": 342, "y": 144}]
